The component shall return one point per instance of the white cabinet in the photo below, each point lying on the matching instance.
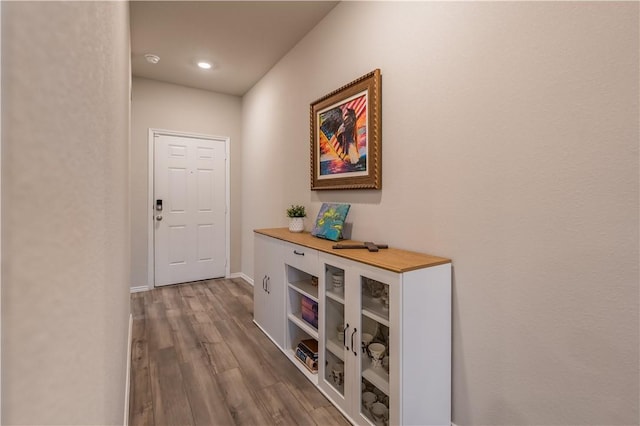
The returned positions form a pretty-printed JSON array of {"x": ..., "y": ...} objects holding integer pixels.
[
  {"x": 390, "y": 335},
  {"x": 268, "y": 287},
  {"x": 383, "y": 330}
]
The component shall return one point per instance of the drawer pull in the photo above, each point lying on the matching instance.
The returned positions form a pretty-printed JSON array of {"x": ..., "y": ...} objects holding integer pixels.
[
  {"x": 353, "y": 348},
  {"x": 344, "y": 337},
  {"x": 298, "y": 253}
]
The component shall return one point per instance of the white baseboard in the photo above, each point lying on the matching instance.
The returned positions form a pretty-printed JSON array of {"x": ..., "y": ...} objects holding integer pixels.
[
  {"x": 127, "y": 387},
  {"x": 243, "y": 276}
]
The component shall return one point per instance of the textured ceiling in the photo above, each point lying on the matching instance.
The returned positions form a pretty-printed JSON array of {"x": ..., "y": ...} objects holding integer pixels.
[{"x": 243, "y": 38}]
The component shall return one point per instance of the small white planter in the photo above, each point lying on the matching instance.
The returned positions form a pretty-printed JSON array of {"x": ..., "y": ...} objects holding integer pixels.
[{"x": 296, "y": 224}]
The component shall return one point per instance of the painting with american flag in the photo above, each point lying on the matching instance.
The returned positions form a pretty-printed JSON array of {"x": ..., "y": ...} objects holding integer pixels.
[
  {"x": 346, "y": 136},
  {"x": 343, "y": 138}
]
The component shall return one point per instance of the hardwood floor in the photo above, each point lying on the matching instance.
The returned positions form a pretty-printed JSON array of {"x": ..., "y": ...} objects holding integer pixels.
[{"x": 198, "y": 359}]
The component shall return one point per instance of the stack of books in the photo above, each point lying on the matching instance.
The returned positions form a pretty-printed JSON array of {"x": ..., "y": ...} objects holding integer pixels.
[
  {"x": 307, "y": 354},
  {"x": 309, "y": 310}
]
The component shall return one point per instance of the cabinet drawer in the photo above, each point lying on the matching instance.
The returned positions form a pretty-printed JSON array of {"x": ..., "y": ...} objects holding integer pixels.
[{"x": 302, "y": 258}]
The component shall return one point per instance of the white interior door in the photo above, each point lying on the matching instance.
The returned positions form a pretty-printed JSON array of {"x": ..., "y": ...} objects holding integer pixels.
[{"x": 189, "y": 208}]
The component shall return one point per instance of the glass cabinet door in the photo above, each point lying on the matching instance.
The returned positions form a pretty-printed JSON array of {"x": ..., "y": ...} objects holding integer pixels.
[
  {"x": 374, "y": 365},
  {"x": 335, "y": 328}
]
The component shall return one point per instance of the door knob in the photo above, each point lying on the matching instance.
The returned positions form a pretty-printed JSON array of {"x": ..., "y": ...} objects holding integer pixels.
[{"x": 159, "y": 217}]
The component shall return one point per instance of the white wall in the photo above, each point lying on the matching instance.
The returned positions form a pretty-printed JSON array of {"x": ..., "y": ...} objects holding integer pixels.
[
  {"x": 65, "y": 219},
  {"x": 172, "y": 107},
  {"x": 510, "y": 144},
  {"x": 0, "y": 221}
]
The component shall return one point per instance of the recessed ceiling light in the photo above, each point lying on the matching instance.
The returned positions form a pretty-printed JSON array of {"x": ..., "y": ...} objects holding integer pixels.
[
  {"x": 205, "y": 65},
  {"x": 152, "y": 59}
]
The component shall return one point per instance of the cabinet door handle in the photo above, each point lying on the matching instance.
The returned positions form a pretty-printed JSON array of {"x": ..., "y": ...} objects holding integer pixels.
[
  {"x": 268, "y": 282},
  {"x": 344, "y": 337},
  {"x": 264, "y": 283},
  {"x": 353, "y": 348},
  {"x": 298, "y": 253}
]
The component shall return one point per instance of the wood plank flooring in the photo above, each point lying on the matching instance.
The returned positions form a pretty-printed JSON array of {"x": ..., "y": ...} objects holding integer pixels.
[{"x": 198, "y": 359}]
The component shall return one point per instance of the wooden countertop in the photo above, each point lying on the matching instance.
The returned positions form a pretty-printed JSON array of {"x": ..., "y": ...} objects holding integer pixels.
[{"x": 391, "y": 259}]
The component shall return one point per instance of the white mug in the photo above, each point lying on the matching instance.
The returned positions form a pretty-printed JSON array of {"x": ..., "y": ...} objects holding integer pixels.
[
  {"x": 366, "y": 339},
  {"x": 377, "y": 353},
  {"x": 337, "y": 374},
  {"x": 368, "y": 398},
  {"x": 380, "y": 413},
  {"x": 338, "y": 282}
]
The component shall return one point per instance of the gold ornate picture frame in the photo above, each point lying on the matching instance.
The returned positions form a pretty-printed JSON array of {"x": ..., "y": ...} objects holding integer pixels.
[{"x": 346, "y": 146}]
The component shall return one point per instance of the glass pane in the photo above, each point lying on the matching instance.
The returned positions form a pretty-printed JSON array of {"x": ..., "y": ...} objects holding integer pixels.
[
  {"x": 334, "y": 328},
  {"x": 375, "y": 351}
]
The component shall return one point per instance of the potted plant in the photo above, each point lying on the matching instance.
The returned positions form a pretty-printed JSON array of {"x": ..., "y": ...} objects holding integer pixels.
[{"x": 296, "y": 216}]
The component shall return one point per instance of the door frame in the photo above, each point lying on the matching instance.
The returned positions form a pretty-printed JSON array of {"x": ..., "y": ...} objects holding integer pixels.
[{"x": 153, "y": 132}]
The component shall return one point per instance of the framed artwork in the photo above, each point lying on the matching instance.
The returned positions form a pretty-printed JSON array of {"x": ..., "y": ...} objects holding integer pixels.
[{"x": 346, "y": 151}]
